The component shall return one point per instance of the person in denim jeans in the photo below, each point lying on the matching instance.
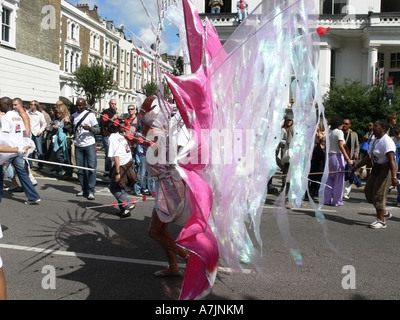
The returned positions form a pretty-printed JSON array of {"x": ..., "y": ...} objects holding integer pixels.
[
  {"x": 13, "y": 124},
  {"x": 140, "y": 158},
  {"x": 242, "y": 10},
  {"x": 122, "y": 171},
  {"x": 85, "y": 148},
  {"x": 38, "y": 127}
]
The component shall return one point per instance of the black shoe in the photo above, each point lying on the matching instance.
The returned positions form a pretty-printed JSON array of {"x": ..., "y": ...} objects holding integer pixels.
[
  {"x": 146, "y": 192},
  {"x": 66, "y": 176},
  {"x": 124, "y": 214}
]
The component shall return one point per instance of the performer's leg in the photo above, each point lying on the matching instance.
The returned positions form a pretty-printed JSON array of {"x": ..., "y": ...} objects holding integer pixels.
[
  {"x": 3, "y": 290},
  {"x": 159, "y": 232}
]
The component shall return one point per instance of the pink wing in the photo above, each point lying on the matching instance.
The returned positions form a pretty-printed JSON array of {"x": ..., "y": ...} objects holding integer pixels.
[{"x": 193, "y": 98}]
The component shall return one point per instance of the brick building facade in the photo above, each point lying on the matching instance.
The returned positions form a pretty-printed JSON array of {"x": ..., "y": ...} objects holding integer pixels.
[{"x": 42, "y": 42}]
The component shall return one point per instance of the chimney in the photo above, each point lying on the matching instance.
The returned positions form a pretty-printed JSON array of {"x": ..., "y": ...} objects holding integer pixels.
[{"x": 83, "y": 6}]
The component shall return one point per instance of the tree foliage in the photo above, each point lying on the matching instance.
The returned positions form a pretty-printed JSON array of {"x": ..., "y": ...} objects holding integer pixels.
[
  {"x": 178, "y": 69},
  {"x": 360, "y": 103},
  {"x": 150, "y": 89},
  {"x": 94, "y": 81}
]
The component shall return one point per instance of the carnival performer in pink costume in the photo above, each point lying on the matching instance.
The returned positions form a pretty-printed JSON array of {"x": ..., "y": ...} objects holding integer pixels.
[
  {"x": 172, "y": 204},
  {"x": 236, "y": 88}
]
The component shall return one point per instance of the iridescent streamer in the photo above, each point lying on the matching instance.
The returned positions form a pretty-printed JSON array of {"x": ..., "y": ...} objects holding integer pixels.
[
  {"x": 250, "y": 81},
  {"x": 250, "y": 91}
]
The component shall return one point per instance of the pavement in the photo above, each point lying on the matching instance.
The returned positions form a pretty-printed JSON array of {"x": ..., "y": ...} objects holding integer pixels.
[{"x": 96, "y": 255}]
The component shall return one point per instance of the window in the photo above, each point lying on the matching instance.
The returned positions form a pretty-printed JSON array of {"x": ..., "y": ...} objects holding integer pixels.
[
  {"x": 8, "y": 12},
  {"x": 107, "y": 50},
  {"x": 390, "y": 6},
  {"x": 73, "y": 31},
  {"x": 94, "y": 41},
  {"x": 395, "y": 60},
  {"x": 333, "y": 6},
  {"x": 381, "y": 59},
  {"x": 72, "y": 60},
  {"x": 114, "y": 52},
  {"x": 66, "y": 61},
  {"x": 5, "y": 25}
]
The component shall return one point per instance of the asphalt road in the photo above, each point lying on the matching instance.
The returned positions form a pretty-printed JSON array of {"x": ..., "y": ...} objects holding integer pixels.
[{"x": 60, "y": 250}]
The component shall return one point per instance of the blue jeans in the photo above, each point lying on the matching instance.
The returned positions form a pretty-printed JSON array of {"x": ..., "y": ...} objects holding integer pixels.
[
  {"x": 241, "y": 14},
  {"x": 107, "y": 161},
  {"x": 21, "y": 168},
  {"x": 137, "y": 186},
  {"x": 215, "y": 10},
  {"x": 86, "y": 157},
  {"x": 118, "y": 192},
  {"x": 145, "y": 182},
  {"x": 39, "y": 149},
  {"x": 59, "y": 157},
  {"x": 141, "y": 172}
]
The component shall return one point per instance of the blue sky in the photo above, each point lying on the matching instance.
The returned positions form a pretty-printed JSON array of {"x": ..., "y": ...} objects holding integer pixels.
[{"x": 131, "y": 14}]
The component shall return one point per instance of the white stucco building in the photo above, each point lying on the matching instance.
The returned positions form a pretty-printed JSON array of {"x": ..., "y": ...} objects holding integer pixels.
[
  {"x": 363, "y": 42},
  {"x": 43, "y": 41}
]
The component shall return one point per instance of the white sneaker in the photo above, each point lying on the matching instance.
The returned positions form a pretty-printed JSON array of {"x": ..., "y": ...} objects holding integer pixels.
[
  {"x": 32, "y": 201},
  {"x": 90, "y": 196},
  {"x": 388, "y": 215},
  {"x": 346, "y": 197},
  {"x": 378, "y": 224}
]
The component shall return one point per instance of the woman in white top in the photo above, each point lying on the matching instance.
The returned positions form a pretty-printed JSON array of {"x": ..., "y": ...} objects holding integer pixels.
[
  {"x": 333, "y": 193},
  {"x": 381, "y": 155}
]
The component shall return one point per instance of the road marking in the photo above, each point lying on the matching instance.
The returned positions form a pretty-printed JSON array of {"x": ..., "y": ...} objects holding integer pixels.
[{"x": 101, "y": 257}]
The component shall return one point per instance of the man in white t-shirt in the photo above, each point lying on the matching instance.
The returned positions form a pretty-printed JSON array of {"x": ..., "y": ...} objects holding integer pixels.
[
  {"x": 122, "y": 170},
  {"x": 85, "y": 129},
  {"x": 12, "y": 123},
  {"x": 38, "y": 127}
]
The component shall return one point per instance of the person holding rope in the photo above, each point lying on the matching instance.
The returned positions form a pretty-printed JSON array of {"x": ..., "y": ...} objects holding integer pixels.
[
  {"x": 381, "y": 155},
  {"x": 85, "y": 129},
  {"x": 337, "y": 156},
  {"x": 122, "y": 171},
  {"x": 13, "y": 126}
]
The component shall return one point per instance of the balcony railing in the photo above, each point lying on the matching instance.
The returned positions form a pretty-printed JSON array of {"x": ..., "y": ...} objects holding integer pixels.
[
  {"x": 221, "y": 19},
  {"x": 337, "y": 21}
]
